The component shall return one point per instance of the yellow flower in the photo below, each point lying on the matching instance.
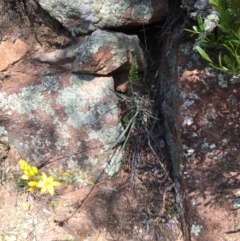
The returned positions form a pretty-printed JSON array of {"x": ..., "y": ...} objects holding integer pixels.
[
  {"x": 47, "y": 184},
  {"x": 32, "y": 186},
  {"x": 29, "y": 171},
  {"x": 23, "y": 164},
  {"x": 34, "y": 170}
]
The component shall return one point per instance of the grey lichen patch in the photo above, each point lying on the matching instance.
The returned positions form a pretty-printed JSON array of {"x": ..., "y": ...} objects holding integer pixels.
[
  {"x": 30, "y": 99},
  {"x": 211, "y": 72},
  {"x": 62, "y": 128},
  {"x": 189, "y": 150},
  {"x": 212, "y": 146},
  {"x": 236, "y": 203},
  {"x": 193, "y": 202},
  {"x": 80, "y": 101},
  {"x": 209, "y": 124},
  {"x": 235, "y": 79},
  {"x": 45, "y": 72},
  {"x": 187, "y": 120},
  {"x": 205, "y": 146},
  {"x": 25, "y": 146},
  {"x": 108, "y": 135},
  {"x": 200, "y": 4},
  {"x": 187, "y": 103},
  {"x": 50, "y": 83},
  {"x": 196, "y": 56},
  {"x": 193, "y": 96},
  {"x": 183, "y": 95},
  {"x": 194, "y": 135},
  {"x": 3, "y": 101},
  {"x": 87, "y": 13},
  {"x": 74, "y": 102},
  {"x": 186, "y": 48},
  {"x": 104, "y": 110},
  {"x": 60, "y": 144},
  {"x": 196, "y": 229},
  {"x": 142, "y": 12},
  {"x": 34, "y": 145},
  {"x": 210, "y": 155},
  {"x": 72, "y": 164},
  {"x": 3, "y": 134},
  {"x": 223, "y": 80}
]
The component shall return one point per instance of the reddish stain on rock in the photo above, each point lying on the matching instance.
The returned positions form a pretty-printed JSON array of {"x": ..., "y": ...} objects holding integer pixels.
[
  {"x": 161, "y": 10},
  {"x": 11, "y": 53},
  {"x": 202, "y": 114},
  {"x": 65, "y": 119},
  {"x": 96, "y": 63}
]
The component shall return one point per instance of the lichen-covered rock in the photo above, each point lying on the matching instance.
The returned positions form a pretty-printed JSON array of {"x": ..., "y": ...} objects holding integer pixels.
[
  {"x": 201, "y": 108},
  {"x": 83, "y": 16},
  {"x": 73, "y": 119},
  {"x": 100, "y": 53},
  {"x": 11, "y": 53}
]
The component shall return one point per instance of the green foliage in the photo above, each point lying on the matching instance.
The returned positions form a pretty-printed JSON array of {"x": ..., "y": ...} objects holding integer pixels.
[
  {"x": 1, "y": 237},
  {"x": 80, "y": 175},
  {"x": 224, "y": 42},
  {"x": 133, "y": 72},
  {"x": 22, "y": 185}
]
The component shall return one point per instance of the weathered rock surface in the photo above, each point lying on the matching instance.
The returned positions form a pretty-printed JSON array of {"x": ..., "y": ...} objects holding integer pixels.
[
  {"x": 101, "y": 53},
  {"x": 11, "y": 53},
  {"x": 71, "y": 118},
  {"x": 83, "y": 16},
  {"x": 202, "y": 114}
]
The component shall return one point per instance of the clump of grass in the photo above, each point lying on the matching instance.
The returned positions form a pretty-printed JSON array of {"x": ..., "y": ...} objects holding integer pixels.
[{"x": 137, "y": 107}]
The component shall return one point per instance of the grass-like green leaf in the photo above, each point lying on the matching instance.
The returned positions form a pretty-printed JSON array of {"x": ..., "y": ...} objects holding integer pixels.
[
  {"x": 203, "y": 54},
  {"x": 228, "y": 62}
]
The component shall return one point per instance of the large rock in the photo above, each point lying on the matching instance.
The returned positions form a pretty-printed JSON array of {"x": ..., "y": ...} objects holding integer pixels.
[
  {"x": 71, "y": 120},
  {"x": 83, "y": 16},
  {"x": 101, "y": 53},
  {"x": 201, "y": 109}
]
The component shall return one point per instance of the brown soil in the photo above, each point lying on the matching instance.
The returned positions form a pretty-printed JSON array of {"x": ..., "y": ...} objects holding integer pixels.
[{"x": 138, "y": 203}]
